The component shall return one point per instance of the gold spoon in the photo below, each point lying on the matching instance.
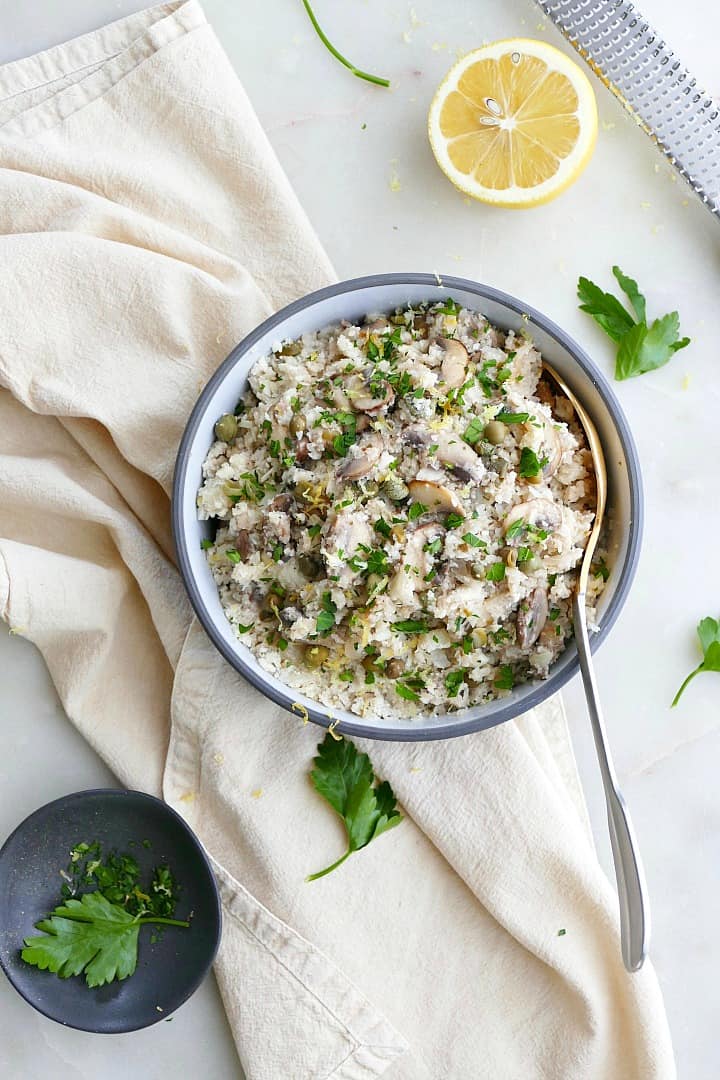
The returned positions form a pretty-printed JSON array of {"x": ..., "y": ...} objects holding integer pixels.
[{"x": 632, "y": 891}]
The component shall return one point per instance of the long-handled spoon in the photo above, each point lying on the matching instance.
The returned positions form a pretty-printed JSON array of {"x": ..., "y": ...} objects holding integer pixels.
[{"x": 632, "y": 891}]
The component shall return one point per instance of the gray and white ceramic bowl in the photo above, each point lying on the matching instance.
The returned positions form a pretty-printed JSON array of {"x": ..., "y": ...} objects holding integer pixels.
[{"x": 352, "y": 300}]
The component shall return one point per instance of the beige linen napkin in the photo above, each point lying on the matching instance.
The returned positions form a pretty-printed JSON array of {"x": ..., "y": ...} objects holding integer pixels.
[{"x": 145, "y": 227}]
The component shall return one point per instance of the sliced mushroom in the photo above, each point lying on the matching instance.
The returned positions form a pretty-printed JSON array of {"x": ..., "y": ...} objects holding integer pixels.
[
  {"x": 539, "y": 512},
  {"x": 460, "y": 457},
  {"x": 417, "y": 564},
  {"x": 290, "y": 615},
  {"x": 552, "y": 450},
  {"x": 284, "y": 502},
  {"x": 417, "y": 436},
  {"x": 454, "y": 362},
  {"x": 363, "y": 401},
  {"x": 531, "y": 617},
  {"x": 435, "y": 496},
  {"x": 243, "y": 543},
  {"x": 349, "y": 530},
  {"x": 360, "y": 459}
]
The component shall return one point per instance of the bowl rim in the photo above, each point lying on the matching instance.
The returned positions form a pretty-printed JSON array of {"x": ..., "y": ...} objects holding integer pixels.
[
  {"x": 79, "y": 796},
  {"x": 543, "y": 690}
]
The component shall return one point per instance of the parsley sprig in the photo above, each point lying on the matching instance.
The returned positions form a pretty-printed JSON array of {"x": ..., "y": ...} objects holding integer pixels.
[
  {"x": 708, "y": 631},
  {"x": 345, "y": 779},
  {"x": 641, "y": 348}
]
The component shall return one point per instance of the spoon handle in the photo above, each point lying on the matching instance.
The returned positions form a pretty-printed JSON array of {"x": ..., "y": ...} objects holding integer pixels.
[{"x": 632, "y": 891}]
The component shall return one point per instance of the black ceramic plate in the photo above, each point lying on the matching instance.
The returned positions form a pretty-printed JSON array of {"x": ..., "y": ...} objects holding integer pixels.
[{"x": 169, "y": 970}]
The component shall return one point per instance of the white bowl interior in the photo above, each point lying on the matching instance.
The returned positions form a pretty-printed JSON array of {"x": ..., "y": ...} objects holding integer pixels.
[{"x": 357, "y": 300}]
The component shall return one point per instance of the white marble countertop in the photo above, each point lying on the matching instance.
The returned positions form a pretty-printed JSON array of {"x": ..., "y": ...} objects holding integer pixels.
[{"x": 342, "y": 141}]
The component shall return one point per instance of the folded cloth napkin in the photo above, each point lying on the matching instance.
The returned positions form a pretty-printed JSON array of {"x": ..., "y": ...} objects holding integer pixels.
[{"x": 146, "y": 227}]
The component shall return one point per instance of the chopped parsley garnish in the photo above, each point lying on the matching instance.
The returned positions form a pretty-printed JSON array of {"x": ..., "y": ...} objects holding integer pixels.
[
  {"x": 512, "y": 417},
  {"x": 516, "y": 528},
  {"x": 530, "y": 464},
  {"x": 410, "y": 626},
  {"x": 524, "y": 554},
  {"x": 504, "y": 679},
  {"x": 453, "y": 681},
  {"x": 495, "y": 572},
  {"x": 433, "y": 447},
  {"x": 450, "y": 307},
  {"x": 417, "y": 509},
  {"x": 434, "y": 546},
  {"x": 346, "y": 676},
  {"x": 453, "y": 520},
  {"x": 406, "y": 692},
  {"x": 205, "y": 544},
  {"x": 242, "y": 629},
  {"x": 326, "y": 617},
  {"x": 369, "y": 678},
  {"x": 474, "y": 430},
  {"x": 381, "y": 526},
  {"x": 554, "y": 614},
  {"x": 601, "y": 570},
  {"x": 233, "y": 555},
  {"x": 314, "y": 530},
  {"x": 277, "y": 552},
  {"x": 467, "y": 645},
  {"x": 473, "y": 540}
]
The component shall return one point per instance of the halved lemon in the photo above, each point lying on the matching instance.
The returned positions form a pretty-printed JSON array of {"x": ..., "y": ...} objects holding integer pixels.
[{"x": 514, "y": 123}]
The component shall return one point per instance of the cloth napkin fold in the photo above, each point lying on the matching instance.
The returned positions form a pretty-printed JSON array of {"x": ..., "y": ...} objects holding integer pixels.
[{"x": 145, "y": 227}]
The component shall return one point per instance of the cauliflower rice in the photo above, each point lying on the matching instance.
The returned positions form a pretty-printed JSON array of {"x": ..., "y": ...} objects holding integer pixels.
[{"x": 401, "y": 509}]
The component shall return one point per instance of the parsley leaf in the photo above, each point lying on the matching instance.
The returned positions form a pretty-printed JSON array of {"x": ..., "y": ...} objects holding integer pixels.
[
  {"x": 473, "y": 431},
  {"x": 453, "y": 520},
  {"x": 326, "y": 618},
  {"x": 345, "y": 779},
  {"x": 496, "y": 572},
  {"x": 504, "y": 679},
  {"x": 410, "y": 626},
  {"x": 708, "y": 631},
  {"x": 416, "y": 510},
  {"x": 473, "y": 540},
  {"x": 530, "y": 464},
  {"x": 381, "y": 526},
  {"x": 453, "y": 681},
  {"x": 512, "y": 417},
  {"x": 205, "y": 544},
  {"x": 641, "y": 347},
  {"x": 90, "y": 935}
]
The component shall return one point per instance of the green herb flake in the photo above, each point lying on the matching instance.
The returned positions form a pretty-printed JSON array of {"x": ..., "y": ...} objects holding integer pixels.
[
  {"x": 530, "y": 464},
  {"x": 242, "y": 629},
  {"x": 233, "y": 555},
  {"x": 205, "y": 544},
  {"x": 601, "y": 570},
  {"x": 516, "y": 528},
  {"x": 410, "y": 626},
  {"x": 417, "y": 509},
  {"x": 495, "y": 572},
  {"x": 381, "y": 526},
  {"x": 406, "y": 692},
  {"x": 453, "y": 682},
  {"x": 512, "y": 418},
  {"x": 473, "y": 540},
  {"x": 346, "y": 676},
  {"x": 326, "y": 617},
  {"x": 277, "y": 552},
  {"x": 504, "y": 679},
  {"x": 474, "y": 431},
  {"x": 453, "y": 520}
]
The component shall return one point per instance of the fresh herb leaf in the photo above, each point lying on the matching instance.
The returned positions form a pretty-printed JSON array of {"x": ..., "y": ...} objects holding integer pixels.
[
  {"x": 417, "y": 509},
  {"x": 495, "y": 572},
  {"x": 410, "y": 626},
  {"x": 512, "y": 417},
  {"x": 406, "y": 692},
  {"x": 434, "y": 546},
  {"x": 91, "y": 935},
  {"x": 205, "y": 544},
  {"x": 277, "y": 552},
  {"x": 326, "y": 618},
  {"x": 450, "y": 307},
  {"x": 453, "y": 520},
  {"x": 242, "y": 629},
  {"x": 504, "y": 679},
  {"x": 338, "y": 56},
  {"x": 467, "y": 645},
  {"x": 601, "y": 570},
  {"x": 346, "y": 676},
  {"x": 524, "y": 554},
  {"x": 473, "y": 431},
  {"x": 233, "y": 555},
  {"x": 516, "y": 528},
  {"x": 345, "y": 779},
  {"x": 530, "y": 463},
  {"x": 473, "y": 540},
  {"x": 641, "y": 347},
  {"x": 708, "y": 631},
  {"x": 453, "y": 681},
  {"x": 314, "y": 530},
  {"x": 381, "y": 526}
]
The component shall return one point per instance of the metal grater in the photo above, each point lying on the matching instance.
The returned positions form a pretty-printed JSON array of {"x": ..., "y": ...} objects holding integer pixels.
[{"x": 654, "y": 86}]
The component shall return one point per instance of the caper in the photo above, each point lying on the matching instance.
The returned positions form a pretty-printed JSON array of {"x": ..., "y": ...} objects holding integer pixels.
[
  {"x": 297, "y": 424},
  {"x": 316, "y": 655},
  {"x": 495, "y": 432},
  {"x": 311, "y": 566},
  {"x": 395, "y": 488},
  {"x": 370, "y": 663},
  {"x": 226, "y": 428},
  {"x": 395, "y": 668},
  {"x": 477, "y": 571},
  {"x": 291, "y": 348},
  {"x": 531, "y": 565},
  {"x": 511, "y": 557}
]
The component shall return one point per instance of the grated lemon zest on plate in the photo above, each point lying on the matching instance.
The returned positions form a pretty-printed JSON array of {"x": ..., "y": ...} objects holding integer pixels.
[{"x": 296, "y": 707}]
